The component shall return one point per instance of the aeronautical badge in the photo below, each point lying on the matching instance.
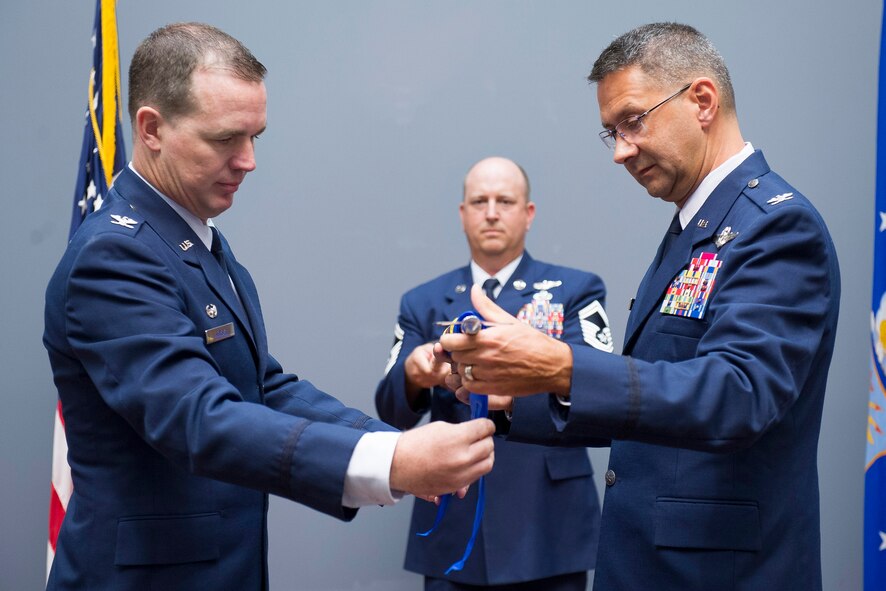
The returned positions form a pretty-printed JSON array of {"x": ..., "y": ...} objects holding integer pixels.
[
  {"x": 688, "y": 294},
  {"x": 546, "y": 285},
  {"x": 595, "y": 327},
  {"x": 725, "y": 236},
  {"x": 542, "y": 313},
  {"x": 122, "y": 220},
  {"x": 395, "y": 349},
  {"x": 780, "y": 198}
]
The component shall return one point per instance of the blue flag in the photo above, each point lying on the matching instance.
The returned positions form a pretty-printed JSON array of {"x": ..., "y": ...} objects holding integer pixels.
[
  {"x": 103, "y": 154},
  {"x": 875, "y": 461}
]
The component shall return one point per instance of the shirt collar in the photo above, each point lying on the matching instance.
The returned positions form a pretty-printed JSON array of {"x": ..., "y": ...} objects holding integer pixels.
[
  {"x": 478, "y": 275},
  {"x": 710, "y": 182},
  {"x": 203, "y": 231}
]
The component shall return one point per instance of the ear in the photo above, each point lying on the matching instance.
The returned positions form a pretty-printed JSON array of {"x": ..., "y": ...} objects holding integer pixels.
[
  {"x": 705, "y": 95},
  {"x": 461, "y": 212},
  {"x": 148, "y": 122},
  {"x": 530, "y": 214}
]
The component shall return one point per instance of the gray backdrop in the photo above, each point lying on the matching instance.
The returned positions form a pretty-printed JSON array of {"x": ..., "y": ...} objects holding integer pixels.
[{"x": 376, "y": 110}]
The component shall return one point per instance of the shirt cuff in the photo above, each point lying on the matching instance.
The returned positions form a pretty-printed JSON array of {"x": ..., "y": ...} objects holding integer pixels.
[{"x": 368, "y": 479}]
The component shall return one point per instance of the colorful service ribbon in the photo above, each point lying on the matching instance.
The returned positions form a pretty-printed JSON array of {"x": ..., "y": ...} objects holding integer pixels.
[{"x": 468, "y": 323}]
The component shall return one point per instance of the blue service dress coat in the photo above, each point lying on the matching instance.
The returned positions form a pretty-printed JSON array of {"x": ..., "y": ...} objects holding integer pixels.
[
  {"x": 714, "y": 422},
  {"x": 542, "y": 511},
  {"x": 179, "y": 422}
]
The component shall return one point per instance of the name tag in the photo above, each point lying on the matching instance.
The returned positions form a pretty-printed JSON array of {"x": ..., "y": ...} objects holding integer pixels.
[{"x": 219, "y": 333}]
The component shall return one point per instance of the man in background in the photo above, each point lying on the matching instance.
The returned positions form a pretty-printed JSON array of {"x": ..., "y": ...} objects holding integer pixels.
[{"x": 541, "y": 517}]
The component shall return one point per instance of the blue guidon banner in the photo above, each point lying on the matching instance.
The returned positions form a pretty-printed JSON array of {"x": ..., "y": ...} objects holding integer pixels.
[{"x": 875, "y": 460}]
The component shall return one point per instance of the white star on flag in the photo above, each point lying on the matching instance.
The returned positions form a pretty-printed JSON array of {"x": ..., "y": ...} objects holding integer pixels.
[
  {"x": 882, "y": 221},
  {"x": 882, "y": 541}
]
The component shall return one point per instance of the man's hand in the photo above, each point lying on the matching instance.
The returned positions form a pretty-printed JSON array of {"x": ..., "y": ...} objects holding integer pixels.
[
  {"x": 508, "y": 358},
  {"x": 440, "y": 457},
  {"x": 423, "y": 371}
]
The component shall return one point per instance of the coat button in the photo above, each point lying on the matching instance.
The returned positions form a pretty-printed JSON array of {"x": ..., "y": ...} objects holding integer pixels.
[{"x": 610, "y": 477}]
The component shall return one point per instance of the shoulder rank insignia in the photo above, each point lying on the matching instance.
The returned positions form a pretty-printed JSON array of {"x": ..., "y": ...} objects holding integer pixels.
[
  {"x": 725, "y": 236},
  {"x": 780, "y": 198},
  {"x": 595, "y": 327},
  {"x": 122, "y": 220}
]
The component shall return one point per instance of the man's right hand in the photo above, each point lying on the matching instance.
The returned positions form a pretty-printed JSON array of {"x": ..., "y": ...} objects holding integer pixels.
[
  {"x": 440, "y": 457},
  {"x": 423, "y": 371}
]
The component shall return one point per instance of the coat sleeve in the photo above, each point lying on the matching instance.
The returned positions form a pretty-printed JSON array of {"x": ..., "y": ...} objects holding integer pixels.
[{"x": 585, "y": 325}]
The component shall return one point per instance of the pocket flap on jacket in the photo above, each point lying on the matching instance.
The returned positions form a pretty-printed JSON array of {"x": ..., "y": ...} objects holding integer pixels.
[
  {"x": 568, "y": 463},
  {"x": 706, "y": 524},
  {"x": 167, "y": 539}
]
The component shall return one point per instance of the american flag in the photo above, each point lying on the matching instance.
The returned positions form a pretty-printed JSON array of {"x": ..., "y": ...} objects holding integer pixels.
[{"x": 102, "y": 156}]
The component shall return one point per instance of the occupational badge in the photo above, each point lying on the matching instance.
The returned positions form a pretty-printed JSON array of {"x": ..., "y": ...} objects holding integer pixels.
[
  {"x": 725, "y": 236},
  {"x": 211, "y": 310},
  {"x": 688, "y": 294}
]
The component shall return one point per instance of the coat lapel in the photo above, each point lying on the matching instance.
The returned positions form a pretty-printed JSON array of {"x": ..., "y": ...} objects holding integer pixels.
[
  {"x": 182, "y": 240},
  {"x": 700, "y": 230}
]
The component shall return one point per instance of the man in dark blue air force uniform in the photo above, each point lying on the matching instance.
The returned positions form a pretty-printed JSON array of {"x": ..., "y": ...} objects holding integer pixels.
[
  {"x": 714, "y": 407},
  {"x": 542, "y": 514},
  {"x": 179, "y": 421}
]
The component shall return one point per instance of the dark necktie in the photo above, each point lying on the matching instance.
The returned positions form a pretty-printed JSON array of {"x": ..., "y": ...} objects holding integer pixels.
[
  {"x": 489, "y": 287},
  {"x": 217, "y": 252},
  {"x": 669, "y": 238}
]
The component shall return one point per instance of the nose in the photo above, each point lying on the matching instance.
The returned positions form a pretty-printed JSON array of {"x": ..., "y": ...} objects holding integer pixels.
[
  {"x": 491, "y": 211},
  {"x": 244, "y": 157},
  {"x": 623, "y": 150}
]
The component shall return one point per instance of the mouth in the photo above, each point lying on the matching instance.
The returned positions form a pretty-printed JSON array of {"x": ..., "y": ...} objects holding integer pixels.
[{"x": 229, "y": 187}]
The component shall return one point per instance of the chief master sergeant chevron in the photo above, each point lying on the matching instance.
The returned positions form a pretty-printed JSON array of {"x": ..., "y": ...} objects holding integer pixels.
[
  {"x": 535, "y": 495},
  {"x": 714, "y": 407},
  {"x": 179, "y": 422}
]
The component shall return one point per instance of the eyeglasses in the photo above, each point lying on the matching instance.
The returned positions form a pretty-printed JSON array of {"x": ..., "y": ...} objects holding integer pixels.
[{"x": 631, "y": 128}]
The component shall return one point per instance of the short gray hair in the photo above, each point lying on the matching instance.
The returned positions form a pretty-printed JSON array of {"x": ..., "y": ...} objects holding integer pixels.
[{"x": 671, "y": 54}]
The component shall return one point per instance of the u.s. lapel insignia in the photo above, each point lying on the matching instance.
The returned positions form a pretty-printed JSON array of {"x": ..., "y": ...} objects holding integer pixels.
[
  {"x": 725, "y": 236},
  {"x": 211, "y": 310},
  {"x": 702, "y": 223},
  {"x": 780, "y": 198},
  {"x": 461, "y": 288},
  {"x": 595, "y": 327},
  {"x": 542, "y": 313},
  {"x": 688, "y": 294},
  {"x": 187, "y": 244},
  {"x": 519, "y": 284},
  {"x": 122, "y": 220}
]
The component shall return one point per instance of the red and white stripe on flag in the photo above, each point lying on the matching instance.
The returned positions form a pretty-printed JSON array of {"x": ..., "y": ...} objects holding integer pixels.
[{"x": 62, "y": 486}]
